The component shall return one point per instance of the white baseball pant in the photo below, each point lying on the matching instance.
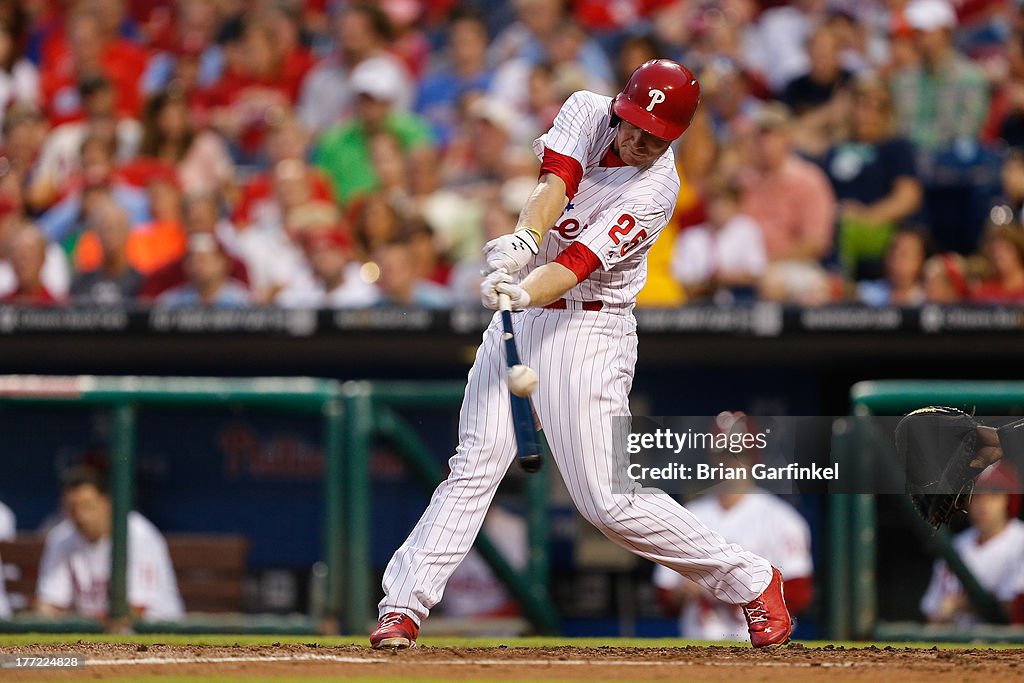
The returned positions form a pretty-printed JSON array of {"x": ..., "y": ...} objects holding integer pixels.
[{"x": 585, "y": 360}]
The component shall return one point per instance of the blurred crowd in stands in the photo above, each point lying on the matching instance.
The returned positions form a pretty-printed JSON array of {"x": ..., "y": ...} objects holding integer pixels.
[{"x": 324, "y": 153}]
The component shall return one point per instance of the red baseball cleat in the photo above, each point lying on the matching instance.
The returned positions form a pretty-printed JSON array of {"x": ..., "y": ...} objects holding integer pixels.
[
  {"x": 395, "y": 630},
  {"x": 768, "y": 619}
]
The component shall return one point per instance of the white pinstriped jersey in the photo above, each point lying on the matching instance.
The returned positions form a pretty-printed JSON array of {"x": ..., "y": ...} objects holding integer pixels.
[
  {"x": 998, "y": 564},
  {"x": 617, "y": 212}
]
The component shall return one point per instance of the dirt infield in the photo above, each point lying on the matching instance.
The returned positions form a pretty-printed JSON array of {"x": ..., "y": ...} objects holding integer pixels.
[{"x": 692, "y": 663}]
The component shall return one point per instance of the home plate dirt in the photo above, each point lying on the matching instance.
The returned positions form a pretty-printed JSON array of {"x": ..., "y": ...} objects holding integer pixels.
[{"x": 789, "y": 663}]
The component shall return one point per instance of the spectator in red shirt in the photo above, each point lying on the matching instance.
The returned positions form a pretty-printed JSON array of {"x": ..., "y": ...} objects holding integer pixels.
[
  {"x": 1003, "y": 250},
  {"x": 259, "y": 86},
  {"x": 288, "y": 141},
  {"x": 90, "y": 47},
  {"x": 27, "y": 254}
]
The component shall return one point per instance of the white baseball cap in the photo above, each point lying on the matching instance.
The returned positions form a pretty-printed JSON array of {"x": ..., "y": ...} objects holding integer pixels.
[
  {"x": 378, "y": 79},
  {"x": 930, "y": 15}
]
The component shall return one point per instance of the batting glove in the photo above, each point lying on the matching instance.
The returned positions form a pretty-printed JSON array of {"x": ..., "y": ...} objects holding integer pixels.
[
  {"x": 511, "y": 252},
  {"x": 489, "y": 291},
  {"x": 518, "y": 297}
]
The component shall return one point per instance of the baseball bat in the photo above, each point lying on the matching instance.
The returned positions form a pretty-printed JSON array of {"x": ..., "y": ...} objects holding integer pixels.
[{"x": 527, "y": 447}]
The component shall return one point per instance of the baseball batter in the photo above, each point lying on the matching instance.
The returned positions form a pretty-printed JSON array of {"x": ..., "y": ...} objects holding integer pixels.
[{"x": 574, "y": 266}]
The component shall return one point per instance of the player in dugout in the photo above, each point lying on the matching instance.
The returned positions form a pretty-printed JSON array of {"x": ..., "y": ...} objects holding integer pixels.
[
  {"x": 74, "y": 574},
  {"x": 572, "y": 269},
  {"x": 752, "y": 518}
]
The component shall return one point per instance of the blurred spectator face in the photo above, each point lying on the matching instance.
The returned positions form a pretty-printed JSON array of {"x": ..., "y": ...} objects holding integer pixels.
[
  {"x": 288, "y": 140},
  {"x": 291, "y": 183},
  {"x": 89, "y": 510},
  {"x": 563, "y": 45},
  {"x": 356, "y": 32},
  {"x": 24, "y": 133},
  {"x": 112, "y": 226},
  {"x": 540, "y": 16},
  {"x": 720, "y": 34},
  {"x": 397, "y": 276},
  {"x": 312, "y": 219},
  {"x": 637, "y": 147},
  {"x": 378, "y": 222},
  {"x": 108, "y": 14},
  {"x": 376, "y": 90},
  {"x": 423, "y": 251},
  {"x": 932, "y": 45},
  {"x": 328, "y": 254},
  {"x": 259, "y": 50},
  {"x": 1004, "y": 255},
  {"x": 197, "y": 18},
  {"x": 823, "y": 52},
  {"x": 903, "y": 52},
  {"x": 388, "y": 161},
  {"x": 97, "y": 162},
  {"x": 871, "y": 115},
  {"x": 634, "y": 52},
  {"x": 85, "y": 41},
  {"x": 727, "y": 89},
  {"x": 205, "y": 263},
  {"x": 424, "y": 171},
  {"x": 283, "y": 29},
  {"x": 988, "y": 511},
  {"x": 165, "y": 201},
  {"x": 467, "y": 42},
  {"x": 1013, "y": 177},
  {"x": 27, "y": 253},
  {"x": 904, "y": 259},
  {"x": 201, "y": 214},
  {"x": 722, "y": 207},
  {"x": 172, "y": 119},
  {"x": 98, "y": 100},
  {"x": 542, "y": 96},
  {"x": 944, "y": 282},
  {"x": 772, "y": 148},
  {"x": 372, "y": 111}
]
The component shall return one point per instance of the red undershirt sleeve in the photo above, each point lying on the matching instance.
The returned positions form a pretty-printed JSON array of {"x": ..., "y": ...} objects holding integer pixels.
[
  {"x": 565, "y": 167},
  {"x": 579, "y": 259}
]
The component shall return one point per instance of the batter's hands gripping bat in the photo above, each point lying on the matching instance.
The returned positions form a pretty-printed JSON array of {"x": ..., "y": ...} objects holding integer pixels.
[{"x": 528, "y": 449}]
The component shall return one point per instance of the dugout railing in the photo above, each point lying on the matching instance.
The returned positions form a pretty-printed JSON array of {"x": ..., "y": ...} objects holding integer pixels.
[
  {"x": 852, "y": 591},
  {"x": 353, "y": 414}
]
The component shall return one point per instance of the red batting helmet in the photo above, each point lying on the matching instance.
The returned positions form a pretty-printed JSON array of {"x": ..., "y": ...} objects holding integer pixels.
[{"x": 660, "y": 98}]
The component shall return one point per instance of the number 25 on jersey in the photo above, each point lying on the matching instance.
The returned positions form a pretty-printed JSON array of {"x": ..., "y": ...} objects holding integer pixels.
[{"x": 621, "y": 229}]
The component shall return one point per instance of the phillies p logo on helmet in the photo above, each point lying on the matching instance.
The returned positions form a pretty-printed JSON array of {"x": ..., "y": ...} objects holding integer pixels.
[
  {"x": 660, "y": 97},
  {"x": 657, "y": 96}
]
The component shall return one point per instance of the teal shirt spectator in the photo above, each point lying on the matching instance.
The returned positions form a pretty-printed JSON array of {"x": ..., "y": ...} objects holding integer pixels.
[{"x": 934, "y": 109}]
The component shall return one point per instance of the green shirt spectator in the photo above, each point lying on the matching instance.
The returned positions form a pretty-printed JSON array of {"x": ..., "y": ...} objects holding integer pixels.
[{"x": 343, "y": 152}]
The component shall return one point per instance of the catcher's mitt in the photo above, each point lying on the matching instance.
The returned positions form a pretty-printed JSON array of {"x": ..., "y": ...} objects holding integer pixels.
[{"x": 937, "y": 445}]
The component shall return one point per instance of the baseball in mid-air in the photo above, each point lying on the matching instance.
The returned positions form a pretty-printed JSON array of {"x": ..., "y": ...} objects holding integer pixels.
[{"x": 522, "y": 380}]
